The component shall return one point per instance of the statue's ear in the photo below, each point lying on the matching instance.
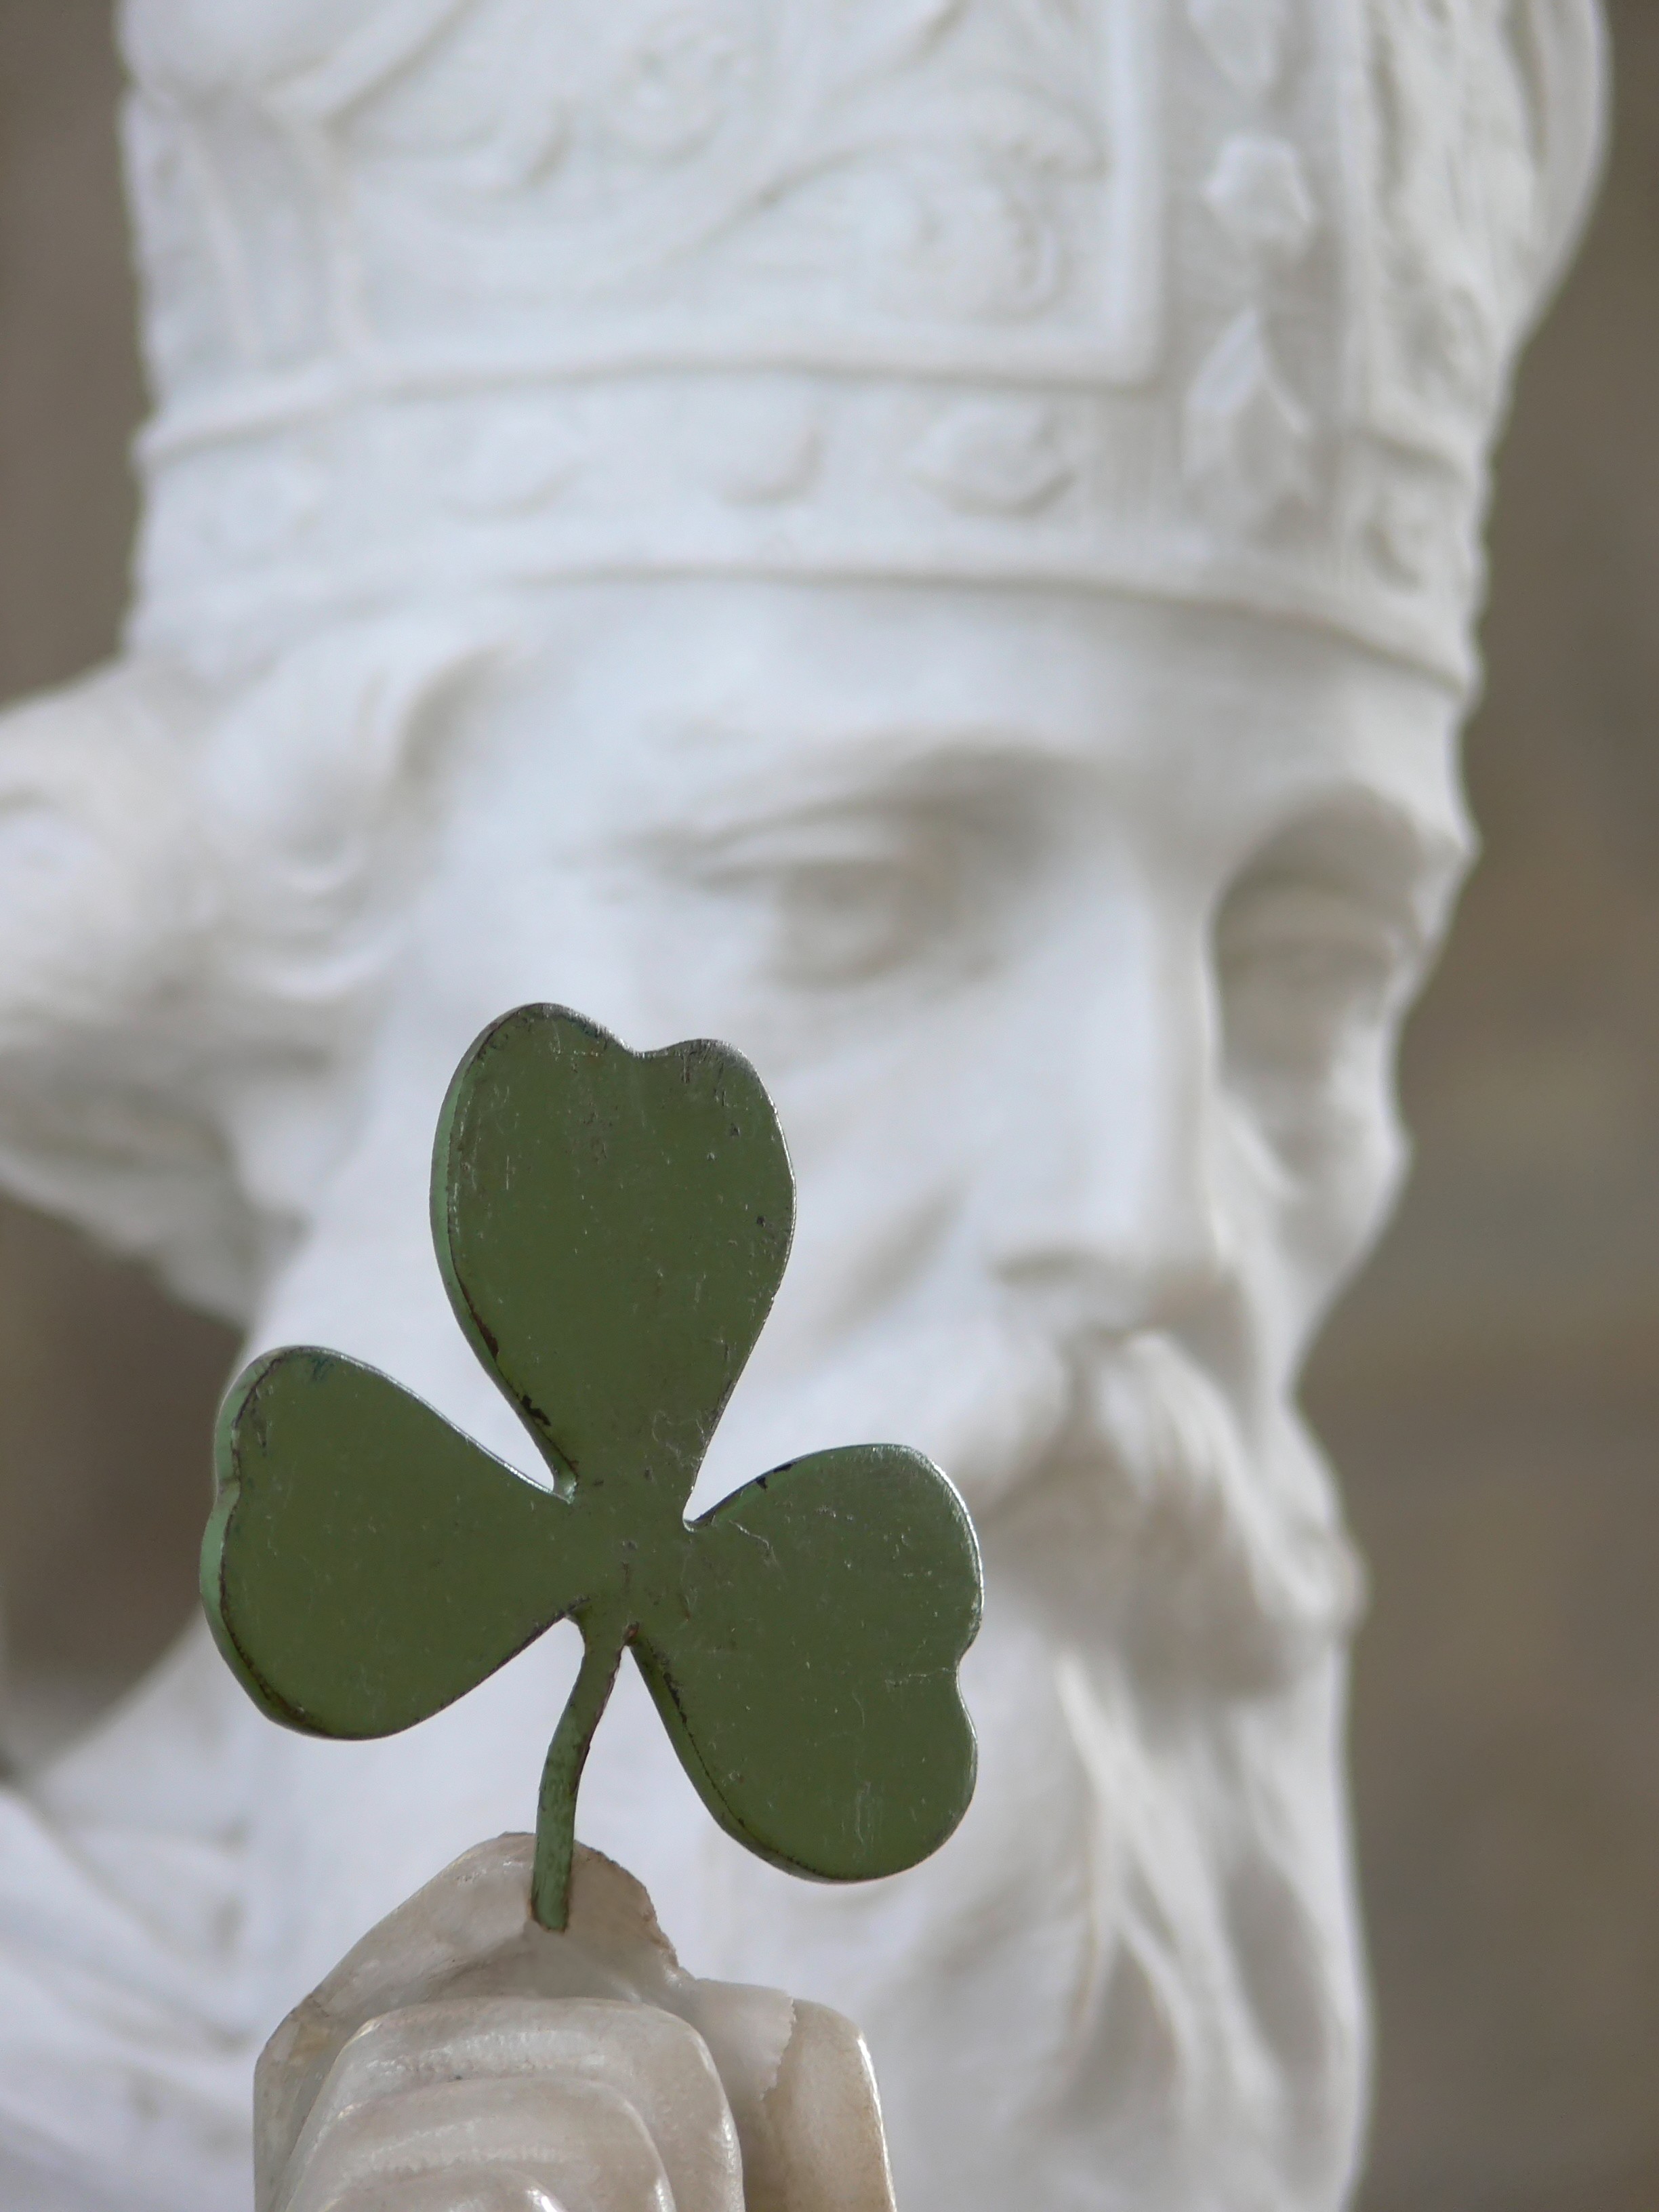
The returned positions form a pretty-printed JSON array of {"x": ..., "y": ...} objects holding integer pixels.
[
  {"x": 1562, "y": 46},
  {"x": 105, "y": 913}
]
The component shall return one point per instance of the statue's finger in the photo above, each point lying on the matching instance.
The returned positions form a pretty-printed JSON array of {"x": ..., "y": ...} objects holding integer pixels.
[
  {"x": 501, "y": 2189},
  {"x": 657, "y": 2066},
  {"x": 802, "y": 2091},
  {"x": 580, "y": 2145}
]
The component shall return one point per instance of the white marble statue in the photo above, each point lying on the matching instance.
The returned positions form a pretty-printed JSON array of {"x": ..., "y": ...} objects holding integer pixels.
[{"x": 935, "y": 540}]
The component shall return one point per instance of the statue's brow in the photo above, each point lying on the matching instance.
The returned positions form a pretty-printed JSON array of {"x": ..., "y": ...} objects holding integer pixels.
[
  {"x": 876, "y": 768},
  {"x": 1398, "y": 856}
]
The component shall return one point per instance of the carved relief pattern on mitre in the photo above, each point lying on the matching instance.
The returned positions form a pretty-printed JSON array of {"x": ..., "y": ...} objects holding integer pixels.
[
  {"x": 1453, "y": 217},
  {"x": 893, "y": 172},
  {"x": 1212, "y": 298}
]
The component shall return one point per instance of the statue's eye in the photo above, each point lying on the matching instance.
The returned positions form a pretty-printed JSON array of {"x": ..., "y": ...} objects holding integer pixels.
[
  {"x": 835, "y": 904},
  {"x": 1308, "y": 974},
  {"x": 843, "y": 922}
]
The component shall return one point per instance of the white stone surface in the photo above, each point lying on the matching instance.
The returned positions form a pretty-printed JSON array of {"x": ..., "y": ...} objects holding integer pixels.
[{"x": 937, "y": 540}]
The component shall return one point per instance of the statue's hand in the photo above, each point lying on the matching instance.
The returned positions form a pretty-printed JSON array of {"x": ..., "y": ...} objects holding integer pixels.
[{"x": 464, "y": 2059}]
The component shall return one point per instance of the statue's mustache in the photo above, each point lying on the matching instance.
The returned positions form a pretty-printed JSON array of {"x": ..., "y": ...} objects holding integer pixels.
[{"x": 1112, "y": 1478}]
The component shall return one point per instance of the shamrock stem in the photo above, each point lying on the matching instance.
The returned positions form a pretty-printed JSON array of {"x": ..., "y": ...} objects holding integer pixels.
[{"x": 555, "y": 1817}]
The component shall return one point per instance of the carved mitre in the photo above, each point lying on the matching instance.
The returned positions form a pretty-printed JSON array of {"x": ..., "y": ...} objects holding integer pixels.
[{"x": 1211, "y": 299}]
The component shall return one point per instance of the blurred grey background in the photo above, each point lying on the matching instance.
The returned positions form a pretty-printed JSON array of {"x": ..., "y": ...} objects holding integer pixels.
[{"x": 1491, "y": 1390}]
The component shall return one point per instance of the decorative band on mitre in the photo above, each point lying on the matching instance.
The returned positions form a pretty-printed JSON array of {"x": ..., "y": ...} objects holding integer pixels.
[{"x": 336, "y": 494}]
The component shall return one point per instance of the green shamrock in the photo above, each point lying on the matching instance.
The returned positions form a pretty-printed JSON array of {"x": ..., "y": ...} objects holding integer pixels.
[{"x": 613, "y": 1228}]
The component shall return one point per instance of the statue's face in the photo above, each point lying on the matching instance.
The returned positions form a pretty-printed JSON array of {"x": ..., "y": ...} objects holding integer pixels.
[{"x": 1070, "y": 935}]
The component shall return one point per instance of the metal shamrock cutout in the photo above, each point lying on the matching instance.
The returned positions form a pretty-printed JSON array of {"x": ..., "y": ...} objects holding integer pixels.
[{"x": 612, "y": 1228}]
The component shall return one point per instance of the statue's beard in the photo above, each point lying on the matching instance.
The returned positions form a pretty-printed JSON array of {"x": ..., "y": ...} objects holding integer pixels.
[
  {"x": 1113, "y": 1488},
  {"x": 1136, "y": 1958},
  {"x": 1147, "y": 1520}
]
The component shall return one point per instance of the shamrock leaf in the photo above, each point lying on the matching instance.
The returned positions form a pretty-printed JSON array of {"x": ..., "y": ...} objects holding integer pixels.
[{"x": 612, "y": 1228}]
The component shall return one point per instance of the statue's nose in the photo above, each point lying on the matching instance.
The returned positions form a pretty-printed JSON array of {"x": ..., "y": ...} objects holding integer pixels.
[{"x": 1103, "y": 1196}]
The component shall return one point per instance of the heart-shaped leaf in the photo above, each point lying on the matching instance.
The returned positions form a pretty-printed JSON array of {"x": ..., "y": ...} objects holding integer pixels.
[
  {"x": 805, "y": 1664},
  {"x": 369, "y": 1565},
  {"x": 613, "y": 1227}
]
